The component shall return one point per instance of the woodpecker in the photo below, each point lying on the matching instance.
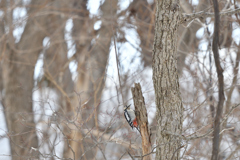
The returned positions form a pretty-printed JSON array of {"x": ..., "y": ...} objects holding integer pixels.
[{"x": 130, "y": 117}]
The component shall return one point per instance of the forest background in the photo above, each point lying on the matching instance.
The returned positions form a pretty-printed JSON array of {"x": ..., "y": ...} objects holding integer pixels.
[{"x": 66, "y": 69}]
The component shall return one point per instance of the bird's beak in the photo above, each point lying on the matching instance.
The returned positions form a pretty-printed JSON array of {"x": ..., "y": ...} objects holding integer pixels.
[{"x": 126, "y": 107}]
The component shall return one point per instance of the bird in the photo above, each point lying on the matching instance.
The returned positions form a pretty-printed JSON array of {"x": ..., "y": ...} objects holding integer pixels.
[{"x": 130, "y": 116}]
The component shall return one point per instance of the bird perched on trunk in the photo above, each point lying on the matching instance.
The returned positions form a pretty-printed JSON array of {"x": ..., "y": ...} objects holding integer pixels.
[{"x": 131, "y": 117}]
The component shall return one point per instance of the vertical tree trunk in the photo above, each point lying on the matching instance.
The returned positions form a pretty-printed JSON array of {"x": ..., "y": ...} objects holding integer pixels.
[
  {"x": 166, "y": 82},
  {"x": 92, "y": 60},
  {"x": 18, "y": 85},
  {"x": 18, "y": 68}
]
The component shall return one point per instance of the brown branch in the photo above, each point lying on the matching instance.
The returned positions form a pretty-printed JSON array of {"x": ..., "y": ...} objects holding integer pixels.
[
  {"x": 203, "y": 14},
  {"x": 142, "y": 156},
  {"x": 232, "y": 154},
  {"x": 216, "y": 135},
  {"x": 110, "y": 138},
  {"x": 234, "y": 80},
  {"x": 142, "y": 119},
  {"x": 190, "y": 137}
]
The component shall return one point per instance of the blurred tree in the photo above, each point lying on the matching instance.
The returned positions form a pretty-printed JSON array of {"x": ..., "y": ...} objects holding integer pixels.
[{"x": 19, "y": 59}]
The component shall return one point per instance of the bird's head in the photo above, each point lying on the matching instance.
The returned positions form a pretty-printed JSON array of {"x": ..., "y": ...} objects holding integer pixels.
[{"x": 126, "y": 107}]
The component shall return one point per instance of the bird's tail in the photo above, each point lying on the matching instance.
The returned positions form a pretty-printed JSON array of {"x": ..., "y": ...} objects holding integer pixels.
[{"x": 138, "y": 129}]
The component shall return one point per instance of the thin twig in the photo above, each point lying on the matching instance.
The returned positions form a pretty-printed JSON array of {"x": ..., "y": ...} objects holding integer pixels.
[
  {"x": 176, "y": 151},
  {"x": 203, "y": 14},
  {"x": 130, "y": 155},
  {"x": 117, "y": 61},
  {"x": 203, "y": 135}
]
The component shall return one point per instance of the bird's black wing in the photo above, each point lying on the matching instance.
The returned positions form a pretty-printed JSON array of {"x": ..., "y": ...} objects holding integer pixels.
[{"x": 128, "y": 118}]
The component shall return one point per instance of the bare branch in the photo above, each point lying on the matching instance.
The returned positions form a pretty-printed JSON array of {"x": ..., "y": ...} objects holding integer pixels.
[
  {"x": 112, "y": 139},
  {"x": 231, "y": 155},
  {"x": 203, "y": 14},
  {"x": 216, "y": 132},
  {"x": 188, "y": 137},
  {"x": 234, "y": 81}
]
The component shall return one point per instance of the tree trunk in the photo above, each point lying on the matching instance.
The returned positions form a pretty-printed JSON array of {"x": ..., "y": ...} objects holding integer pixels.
[
  {"x": 166, "y": 82},
  {"x": 18, "y": 68},
  {"x": 92, "y": 58},
  {"x": 142, "y": 120}
]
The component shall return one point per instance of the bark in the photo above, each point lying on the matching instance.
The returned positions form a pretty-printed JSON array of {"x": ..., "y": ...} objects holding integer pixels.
[
  {"x": 216, "y": 135},
  {"x": 166, "y": 82},
  {"x": 142, "y": 120},
  {"x": 18, "y": 68}
]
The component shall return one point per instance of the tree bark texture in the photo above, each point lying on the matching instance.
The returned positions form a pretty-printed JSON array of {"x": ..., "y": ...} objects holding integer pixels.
[
  {"x": 142, "y": 120},
  {"x": 166, "y": 82}
]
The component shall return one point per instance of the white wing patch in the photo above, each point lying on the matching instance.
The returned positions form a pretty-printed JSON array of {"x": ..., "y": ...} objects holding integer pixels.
[{"x": 128, "y": 118}]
